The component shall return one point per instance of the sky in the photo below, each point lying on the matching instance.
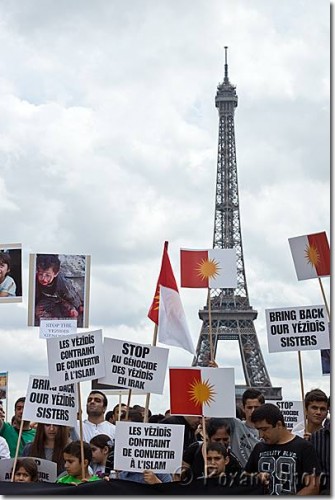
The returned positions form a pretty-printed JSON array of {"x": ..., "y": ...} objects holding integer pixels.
[{"x": 108, "y": 147}]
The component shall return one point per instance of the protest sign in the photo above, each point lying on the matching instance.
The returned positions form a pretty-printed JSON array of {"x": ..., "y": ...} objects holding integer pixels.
[
  {"x": 325, "y": 361},
  {"x": 57, "y": 327},
  {"x": 3, "y": 385},
  {"x": 140, "y": 446},
  {"x": 76, "y": 358},
  {"x": 50, "y": 405},
  {"x": 47, "y": 470},
  {"x": 293, "y": 412},
  {"x": 110, "y": 390},
  {"x": 62, "y": 295},
  {"x": 11, "y": 279},
  {"x": 297, "y": 329},
  {"x": 135, "y": 366}
]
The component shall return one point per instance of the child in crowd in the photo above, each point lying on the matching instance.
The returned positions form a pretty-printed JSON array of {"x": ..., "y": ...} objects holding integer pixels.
[
  {"x": 73, "y": 465},
  {"x": 7, "y": 284},
  {"x": 217, "y": 459},
  {"x": 102, "y": 463},
  {"x": 25, "y": 471},
  {"x": 55, "y": 296},
  {"x": 217, "y": 431}
]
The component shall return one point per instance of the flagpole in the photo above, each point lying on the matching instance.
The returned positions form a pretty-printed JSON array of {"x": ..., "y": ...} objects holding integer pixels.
[
  {"x": 120, "y": 407},
  {"x": 17, "y": 448},
  {"x": 302, "y": 387},
  {"x": 147, "y": 399},
  {"x": 204, "y": 447},
  {"x": 210, "y": 324},
  {"x": 80, "y": 411},
  {"x": 154, "y": 340},
  {"x": 128, "y": 404},
  {"x": 324, "y": 297},
  {"x": 7, "y": 392}
]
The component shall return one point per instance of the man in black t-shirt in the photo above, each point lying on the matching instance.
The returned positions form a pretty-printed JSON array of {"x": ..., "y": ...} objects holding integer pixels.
[{"x": 286, "y": 464}]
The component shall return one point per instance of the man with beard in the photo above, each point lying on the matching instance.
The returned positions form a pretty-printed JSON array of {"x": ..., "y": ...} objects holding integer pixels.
[
  {"x": 96, "y": 424},
  {"x": 11, "y": 431}
]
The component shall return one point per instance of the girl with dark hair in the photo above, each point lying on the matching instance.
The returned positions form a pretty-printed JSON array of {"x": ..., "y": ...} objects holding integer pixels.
[
  {"x": 49, "y": 443},
  {"x": 102, "y": 457},
  {"x": 25, "y": 471}
]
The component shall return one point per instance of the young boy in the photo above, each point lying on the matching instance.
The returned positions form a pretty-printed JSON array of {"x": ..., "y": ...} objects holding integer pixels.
[
  {"x": 7, "y": 284},
  {"x": 73, "y": 466},
  {"x": 55, "y": 295},
  {"x": 316, "y": 410},
  {"x": 217, "y": 459}
]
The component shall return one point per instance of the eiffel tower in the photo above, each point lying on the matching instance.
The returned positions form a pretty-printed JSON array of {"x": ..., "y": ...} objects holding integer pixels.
[{"x": 232, "y": 317}]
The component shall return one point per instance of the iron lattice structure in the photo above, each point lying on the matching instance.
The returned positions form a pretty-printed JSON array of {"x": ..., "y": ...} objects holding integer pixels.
[{"x": 232, "y": 317}]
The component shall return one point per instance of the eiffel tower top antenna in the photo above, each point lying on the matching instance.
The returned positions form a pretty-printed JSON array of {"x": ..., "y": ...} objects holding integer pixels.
[{"x": 226, "y": 79}]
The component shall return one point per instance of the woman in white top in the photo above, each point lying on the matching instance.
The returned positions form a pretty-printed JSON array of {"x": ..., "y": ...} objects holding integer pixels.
[{"x": 4, "y": 449}]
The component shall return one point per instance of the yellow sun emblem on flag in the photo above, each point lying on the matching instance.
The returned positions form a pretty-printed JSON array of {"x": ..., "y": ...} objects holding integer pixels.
[
  {"x": 201, "y": 392},
  {"x": 312, "y": 255},
  {"x": 156, "y": 300},
  {"x": 208, "y": 268}
]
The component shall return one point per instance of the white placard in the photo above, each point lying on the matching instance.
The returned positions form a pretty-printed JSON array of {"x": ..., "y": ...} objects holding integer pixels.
[
  {"x": 47, "y": 470},
  {"x": 297, "y": 329},
  {"x": 140, "y": 446},
  {"x": 136, "y": 366},
  {"x": 57, "y": 327},
  {"x": 76, "y": 358},
  {"x": 50, "y": 405},
  {"x": 293, "y": 412}
]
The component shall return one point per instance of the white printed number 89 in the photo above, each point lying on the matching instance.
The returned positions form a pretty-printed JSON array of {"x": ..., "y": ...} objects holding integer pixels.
[{"x": 282, "y": 474}]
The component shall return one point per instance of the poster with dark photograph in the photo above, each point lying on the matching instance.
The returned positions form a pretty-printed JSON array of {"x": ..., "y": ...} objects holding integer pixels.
[
  {"x": 59, "y": 288},
  {"x": 3, "y": 385},
  {"x": 325, "y": 361},
  {"x": 10, "y": 272},
  {"x": 325, "y": 358}
]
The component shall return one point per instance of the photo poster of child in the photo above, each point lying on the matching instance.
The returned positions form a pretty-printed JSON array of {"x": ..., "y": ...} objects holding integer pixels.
[
  {"x": 59, "y": 288},
  {"x": 10, "y": 272}
]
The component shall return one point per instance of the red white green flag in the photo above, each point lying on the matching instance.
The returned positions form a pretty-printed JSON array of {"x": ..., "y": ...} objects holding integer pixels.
[
  {"x": 214, "y": 268},
  {"x": 311, "y": 255},
  {"x": 202, "y": 391}
]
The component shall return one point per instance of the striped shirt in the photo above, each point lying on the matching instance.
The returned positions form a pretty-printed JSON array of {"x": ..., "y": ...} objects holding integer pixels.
[{"x": 321, "y": 442}]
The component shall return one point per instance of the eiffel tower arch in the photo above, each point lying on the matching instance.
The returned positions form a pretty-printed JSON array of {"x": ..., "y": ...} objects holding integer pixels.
[{"x": 232, "y": 317}]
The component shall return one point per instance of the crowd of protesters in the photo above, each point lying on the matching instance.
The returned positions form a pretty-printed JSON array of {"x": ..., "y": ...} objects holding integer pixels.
[{"x": 255, "y": 444}]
